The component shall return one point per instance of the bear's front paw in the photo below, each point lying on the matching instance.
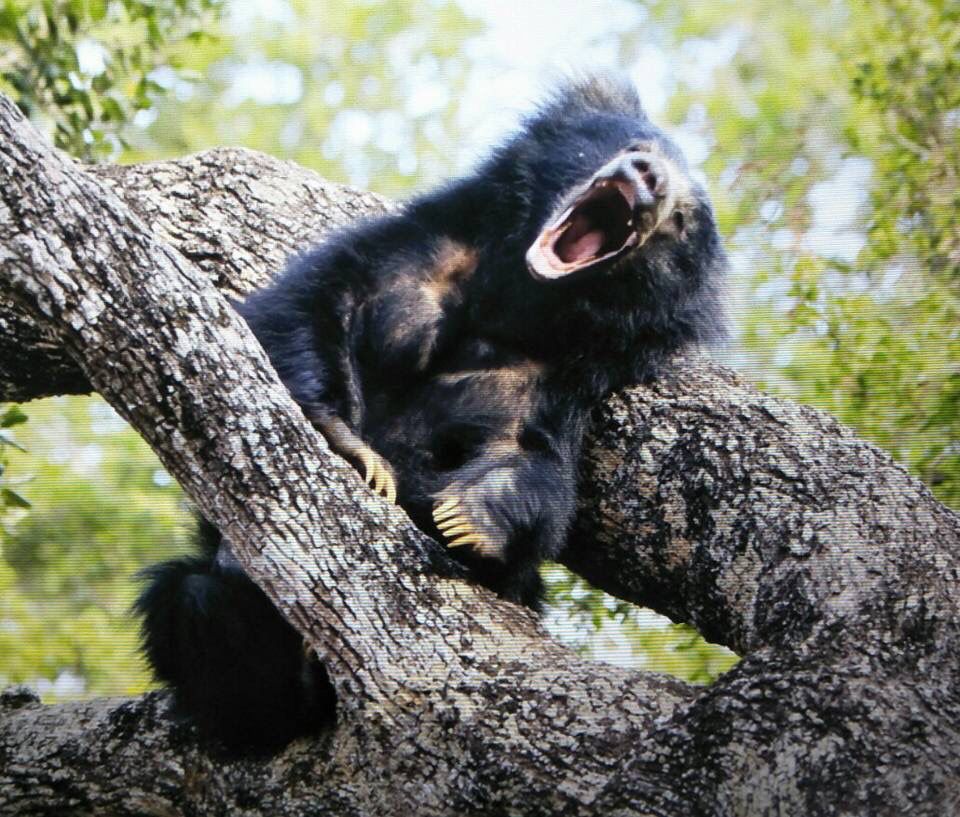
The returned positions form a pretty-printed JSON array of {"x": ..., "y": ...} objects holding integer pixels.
[{"x": 464, "y": 523}]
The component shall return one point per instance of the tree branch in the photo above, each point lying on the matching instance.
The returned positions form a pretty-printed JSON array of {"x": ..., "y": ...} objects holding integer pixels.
[{"x": 766, "y": 524}]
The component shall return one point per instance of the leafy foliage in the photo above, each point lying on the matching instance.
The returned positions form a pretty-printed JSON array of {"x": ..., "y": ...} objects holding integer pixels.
[
  {"x": 835, "y": 150},
  {"x": 83, "y": 68},
  {"x": 102, "y": 508},
  {"x": 606, "y": 628},
  {"x": 9, "y": 498},
  {"x": 365, "y": 93}
]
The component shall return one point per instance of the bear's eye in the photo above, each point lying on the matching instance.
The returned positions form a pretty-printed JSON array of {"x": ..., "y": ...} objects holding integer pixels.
[{"x": 678, "y": 220}]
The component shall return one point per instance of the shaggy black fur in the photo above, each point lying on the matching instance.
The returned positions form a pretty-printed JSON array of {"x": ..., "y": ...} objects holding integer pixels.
[{"x": 459, "y": 347}]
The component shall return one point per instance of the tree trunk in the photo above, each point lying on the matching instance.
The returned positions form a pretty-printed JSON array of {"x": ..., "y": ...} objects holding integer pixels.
[{"x": 764, "y": 524}]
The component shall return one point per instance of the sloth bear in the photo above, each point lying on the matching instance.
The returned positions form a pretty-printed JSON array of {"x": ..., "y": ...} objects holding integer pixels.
[{"x": 454, "y": 351}]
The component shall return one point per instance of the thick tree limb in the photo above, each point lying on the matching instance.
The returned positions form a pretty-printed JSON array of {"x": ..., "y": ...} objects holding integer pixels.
[
  {"x": 767, "y": 525},
  {"x": 761, "y": 522}
]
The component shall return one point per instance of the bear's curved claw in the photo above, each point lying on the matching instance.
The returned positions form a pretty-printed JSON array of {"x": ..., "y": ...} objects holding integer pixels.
[
  {"x": 455, "y": 526},
  {"x": 378, "y": 475}
]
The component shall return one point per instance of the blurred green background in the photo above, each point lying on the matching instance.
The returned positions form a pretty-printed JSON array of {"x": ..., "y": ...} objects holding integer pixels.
[{"x": 828, "y": 132}]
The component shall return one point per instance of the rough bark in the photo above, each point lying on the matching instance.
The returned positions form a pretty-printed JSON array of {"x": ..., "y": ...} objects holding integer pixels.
[{"x": 765, "y": 524}]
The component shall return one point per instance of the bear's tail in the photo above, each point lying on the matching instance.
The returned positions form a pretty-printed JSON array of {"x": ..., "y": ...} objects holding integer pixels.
[{"x": 234, "y": 664}]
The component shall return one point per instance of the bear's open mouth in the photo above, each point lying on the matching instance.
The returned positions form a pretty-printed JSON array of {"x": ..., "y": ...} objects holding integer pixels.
[{"x": 598, "y": 227}]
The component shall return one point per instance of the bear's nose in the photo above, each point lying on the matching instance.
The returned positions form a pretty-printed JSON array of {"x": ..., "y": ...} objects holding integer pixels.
[{"x": 644, "y": 172}]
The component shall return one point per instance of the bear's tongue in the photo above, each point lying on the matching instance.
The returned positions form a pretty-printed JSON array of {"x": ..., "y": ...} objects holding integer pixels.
[{"x": 580, "y": 241}]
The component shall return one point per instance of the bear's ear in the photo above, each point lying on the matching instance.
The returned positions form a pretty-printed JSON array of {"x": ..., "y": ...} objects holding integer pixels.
[{"x": 595, "y": 93}]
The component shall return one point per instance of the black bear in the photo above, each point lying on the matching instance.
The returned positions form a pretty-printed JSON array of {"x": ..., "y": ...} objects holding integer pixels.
[{"x": 454, "y": 351}]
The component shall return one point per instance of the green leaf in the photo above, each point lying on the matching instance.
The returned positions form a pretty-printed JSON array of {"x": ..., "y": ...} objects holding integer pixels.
[
  {"x": 12, "y": 499},
  {"x": 11, "y": 417}
]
